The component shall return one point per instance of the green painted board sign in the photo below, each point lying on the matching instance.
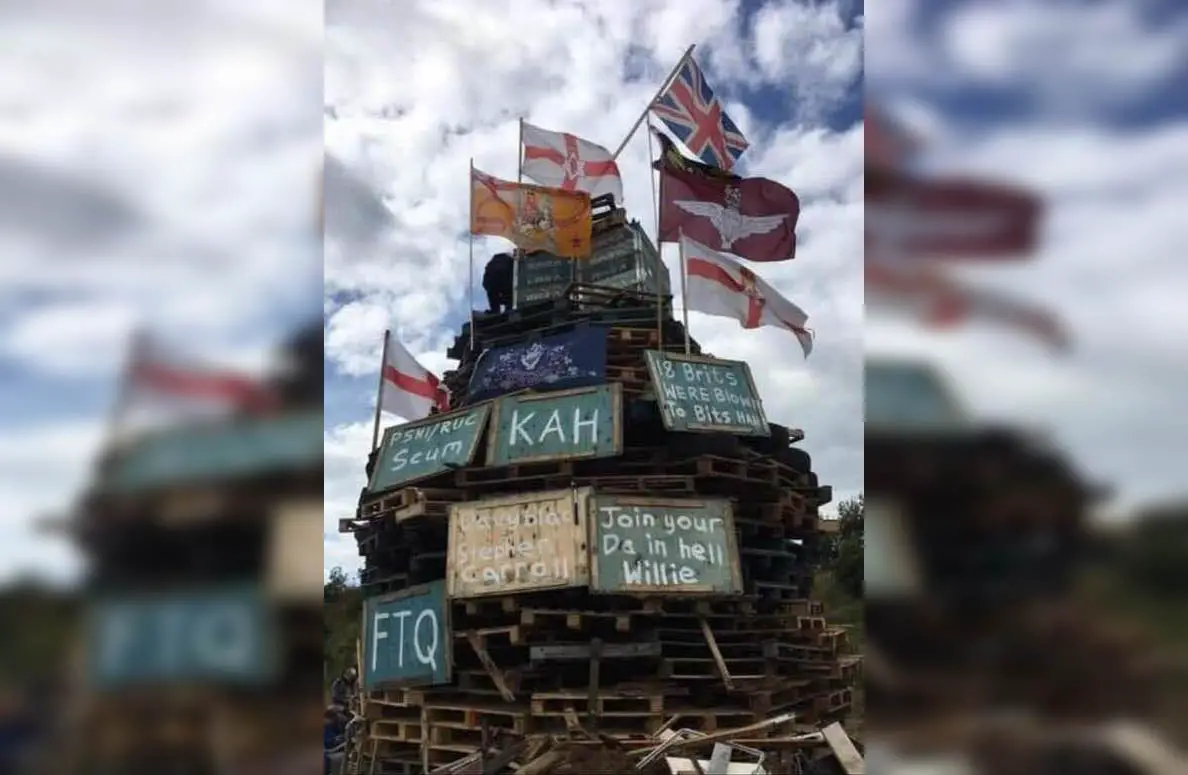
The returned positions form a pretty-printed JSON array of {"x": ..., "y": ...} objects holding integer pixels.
[
  {"x": 420, "y": 449},
  {"x": 648, "y": 546},
  {"x": 231, "y": 450},
  {"x": 697, "y": 393},
  {"x": 562, "y": 425},
  {"x": 223, "y": 635},
  {"x": 406, "y": 638}
]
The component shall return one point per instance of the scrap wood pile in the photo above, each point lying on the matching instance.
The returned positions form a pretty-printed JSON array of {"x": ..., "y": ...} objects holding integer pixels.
[
  {"x": 773, "y": 746},
  {"x": 559, "y": 551},
  {"x": 996, "y": 625}
]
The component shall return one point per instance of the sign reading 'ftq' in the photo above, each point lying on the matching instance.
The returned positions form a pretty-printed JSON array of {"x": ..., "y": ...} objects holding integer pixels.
[
  {"x": 407, "y": 638},
  {"x": 222, "y": 635},
  {"x": 658, "y": 545},
  {"x": 563, "y": 425},
  {"x": 417, "y": 450},
  {"x": 696, "y": 393}
]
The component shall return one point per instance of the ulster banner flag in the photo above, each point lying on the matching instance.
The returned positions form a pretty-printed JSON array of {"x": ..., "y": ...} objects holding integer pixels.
[
  {"x": 719, "y": 285},
  {"x": 754, "y": 218}
]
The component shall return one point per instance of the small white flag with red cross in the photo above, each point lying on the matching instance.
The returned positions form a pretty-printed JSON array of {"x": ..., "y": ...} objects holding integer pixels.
[
  {"x": 720, "y": 285},
  {"x": 408, "y": 388}
]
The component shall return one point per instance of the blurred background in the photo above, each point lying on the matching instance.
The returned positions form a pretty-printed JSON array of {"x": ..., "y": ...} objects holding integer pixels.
[
  {"x": 160, "y": 362},
  {"x": 1026, "y": 571}
]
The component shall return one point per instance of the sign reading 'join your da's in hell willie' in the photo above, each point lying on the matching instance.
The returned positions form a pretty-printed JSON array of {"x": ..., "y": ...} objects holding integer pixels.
[
  {"x": 696, "y": 393},
  {"x": 561, "y": 425},
  {"x": 658, "y": 545},
  {"x": 417, "y": 450}
]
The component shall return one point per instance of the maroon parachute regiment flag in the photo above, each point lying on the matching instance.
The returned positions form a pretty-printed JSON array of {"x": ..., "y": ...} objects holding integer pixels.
[
  {"x": 953, "y": 218},
  {"x": 753, "y": 218}
]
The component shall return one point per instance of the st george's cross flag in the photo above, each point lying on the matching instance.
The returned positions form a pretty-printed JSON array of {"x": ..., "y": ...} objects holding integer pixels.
[
  {"x": 942, "y": 302},
  {"x": 691, "y": 111},
  {"x": 408, "y": 388},
  {"x": 719, "y": 285},
  {"x": 567, "y": 162}
]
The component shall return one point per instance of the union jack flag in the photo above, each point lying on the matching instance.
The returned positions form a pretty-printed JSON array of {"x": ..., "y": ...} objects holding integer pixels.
[{"x": 690, "y": 110}]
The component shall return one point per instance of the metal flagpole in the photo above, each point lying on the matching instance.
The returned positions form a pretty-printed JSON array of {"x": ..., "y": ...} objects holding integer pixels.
[
  {"x": 518, "y": 253},
  {"x": 684, "y": 292},
  {"x": 470, "y": 266},
  {"x": 379, "y": 390},
  {"x": 663, "y": 86},
  {"x": 136, "y": 348},
  {"x": 659, "y": 247}
]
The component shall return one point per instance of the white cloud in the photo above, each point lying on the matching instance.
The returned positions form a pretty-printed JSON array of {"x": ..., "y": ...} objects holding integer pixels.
[
  {"x": 409, "y": 109},
  {"x": 159, "y": 165},
  {"x": 1110, "y": 262}
]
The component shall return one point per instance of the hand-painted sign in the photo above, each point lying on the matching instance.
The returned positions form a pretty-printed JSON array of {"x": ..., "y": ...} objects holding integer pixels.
[
  {"x": 571, "y": 359},
  {"x": 407, "y": 639},
  {"x": 222, "y": 635},
  {"x": 235, "y": 449},
  {"x": 417, "y": 450},
  {"x": 542, "y": 276},
  {"x": 518, "y": 543},
  {"x": 663, "y": 546},
  {"x": 696, "y": 393},
  {"x": 568, "y": 424}
]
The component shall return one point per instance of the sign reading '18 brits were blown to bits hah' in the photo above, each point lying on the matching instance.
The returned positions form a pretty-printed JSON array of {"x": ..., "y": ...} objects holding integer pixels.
[
  {"x": 417, "y": 450},
  {"x": 696, "y": 393}
]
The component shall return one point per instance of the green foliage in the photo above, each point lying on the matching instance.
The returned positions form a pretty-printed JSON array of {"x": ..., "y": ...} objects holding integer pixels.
[
  {"x": 848, "y": 561},
  {"x": 1154, "y": 555},
  {"x": 40, "y": 626},
  {"x": 342, "y": 617}
]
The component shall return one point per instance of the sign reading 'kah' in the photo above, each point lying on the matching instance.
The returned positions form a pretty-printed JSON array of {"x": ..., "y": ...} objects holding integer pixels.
[
  {"x": 696, "y": 393},
  {"x": 563, "y": 425}
]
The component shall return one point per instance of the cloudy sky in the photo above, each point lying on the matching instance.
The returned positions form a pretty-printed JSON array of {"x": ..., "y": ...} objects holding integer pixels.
[
  {"x": 415, "y": 89},
  {"x": 1086, "y": 103},
  {"x": 161, "y": 170}
]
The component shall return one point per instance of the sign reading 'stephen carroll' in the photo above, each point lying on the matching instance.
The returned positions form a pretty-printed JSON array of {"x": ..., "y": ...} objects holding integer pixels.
[
  {"x": 564, "y": 425},
  {"x": 407, "y": 638},
  {"x": 667, "y": 546},
  {"x": 518, "y": 543},
  {"x": 416, "y": 450},
  {"x": 706, "y": 394}
]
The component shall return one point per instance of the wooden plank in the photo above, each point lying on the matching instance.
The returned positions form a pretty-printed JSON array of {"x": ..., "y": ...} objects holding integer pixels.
[
  {"x": 843, "y": 749},
  {"x": 595, "y": 680},
  {"x": 490, "y": 666},
  {"x": 658, "y": 546},
  {"x": 518, "y": 543},
  {"x": 716, "y": 652}
]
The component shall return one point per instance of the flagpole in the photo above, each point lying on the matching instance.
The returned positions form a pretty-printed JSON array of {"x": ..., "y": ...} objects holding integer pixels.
[
  {"x": 659, "y": 246},
  {"x": 379, "y": 390},
  {"x": 470, "y": 266},
  {"x": 685, "y": 293},
  {"x": 663, "y": 86},
  {"x": 517, "y": 253},
  {"x": 119, "y": 404}
]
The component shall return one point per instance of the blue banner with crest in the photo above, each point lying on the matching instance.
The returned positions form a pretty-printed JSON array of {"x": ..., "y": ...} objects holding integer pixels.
[{"x": 573, "y": 359}]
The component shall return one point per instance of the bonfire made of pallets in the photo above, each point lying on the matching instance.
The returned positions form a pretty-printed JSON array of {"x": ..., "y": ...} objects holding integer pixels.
[{"x": 624, "y": 666}]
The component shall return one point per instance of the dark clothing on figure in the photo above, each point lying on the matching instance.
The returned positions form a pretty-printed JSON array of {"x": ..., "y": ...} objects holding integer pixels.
[
  {"x": 498, "y": 282},
  {"x": 342, "y": 692}
]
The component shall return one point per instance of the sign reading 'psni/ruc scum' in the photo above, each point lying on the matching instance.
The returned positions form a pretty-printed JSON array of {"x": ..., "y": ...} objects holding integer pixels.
[
  {"x": 407, "y": 638},
  {"x": 696, "y": 393}
]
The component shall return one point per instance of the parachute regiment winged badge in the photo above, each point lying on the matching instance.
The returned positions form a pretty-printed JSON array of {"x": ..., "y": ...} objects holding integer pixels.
[{"x": 731, "y": 224}]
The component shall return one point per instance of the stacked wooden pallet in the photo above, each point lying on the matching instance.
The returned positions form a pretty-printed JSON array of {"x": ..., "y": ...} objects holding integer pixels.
[{"x": 654, "y": 570}]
